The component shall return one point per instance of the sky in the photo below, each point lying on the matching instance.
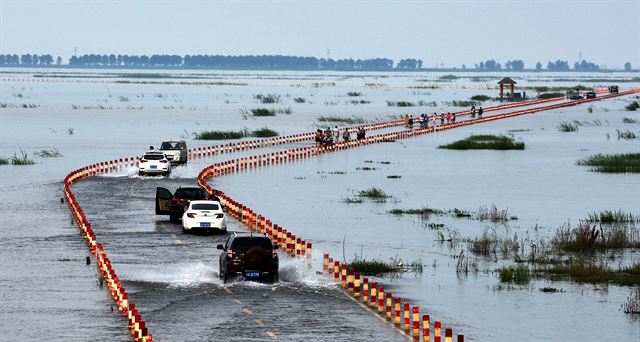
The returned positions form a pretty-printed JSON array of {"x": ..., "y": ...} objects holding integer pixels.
[{"x": 441, "y": 33}]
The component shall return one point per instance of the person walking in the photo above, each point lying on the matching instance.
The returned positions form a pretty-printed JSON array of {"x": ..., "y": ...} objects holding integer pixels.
[
  {"x": 411, "y": 121},
  {"x": 425, "y": 121},
  {"x": 346, "y": 136},
  {"x": 448, "y": 118},
  {"x": 336, "y": 134},
  {"x": 406, "y": 119},
  {"x": 480, "y": 111},
  {"x": 453, "y": 117},
  {"x": 442, "y": 118},
  {"x": 473, "y": 111}
]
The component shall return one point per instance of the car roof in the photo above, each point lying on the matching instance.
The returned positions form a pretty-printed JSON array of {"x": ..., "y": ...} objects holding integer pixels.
[
  {"x": 154, "y": 153},
  {"x": 173, "y": 140},
  {"x": 204, "y": 202}
]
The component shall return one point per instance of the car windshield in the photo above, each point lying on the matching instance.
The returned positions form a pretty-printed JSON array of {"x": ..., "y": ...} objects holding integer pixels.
[
  {"x": 205, "y": 206},
  {"x": 244, "y": 243},
  {"x": 168, "y": 145},
  {"x": 190, "y": 193},
  {"x": 153, "y": 156}
]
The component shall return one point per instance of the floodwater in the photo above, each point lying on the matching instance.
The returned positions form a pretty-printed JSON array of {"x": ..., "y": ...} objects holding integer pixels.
[{"x": 48, "y": 293}]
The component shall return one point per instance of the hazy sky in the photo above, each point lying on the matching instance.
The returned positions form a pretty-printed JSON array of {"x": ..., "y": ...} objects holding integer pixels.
[{"x": 438, "y": 32}]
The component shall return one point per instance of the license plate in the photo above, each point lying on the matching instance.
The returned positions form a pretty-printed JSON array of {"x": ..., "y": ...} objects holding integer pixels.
[
  {"x": 205, "y": 224},
  {"x": 252, "y": 274},
  {"x": 154, "y": 166}
]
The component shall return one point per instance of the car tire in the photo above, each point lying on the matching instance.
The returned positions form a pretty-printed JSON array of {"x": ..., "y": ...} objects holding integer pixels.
[
  {"x": 174, "y": 218},
  {"x": 184, "y": 230},
  {"x": 225, "y": 278},
  {"x": 223, "y": 231},
  {"x": 140, "y": 173},
  {"x": 273, "y": 278}
]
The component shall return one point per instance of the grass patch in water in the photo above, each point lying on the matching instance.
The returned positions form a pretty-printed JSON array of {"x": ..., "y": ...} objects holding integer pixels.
[
  {"x": 374, "y": 193},
  {"x": 342, "y": 119},
  {"x": 584, "y": 272},
  {"x": 613, "y": 163},
  {"x": 463, "y": 103},
  {"x": 633, "y": 106},
  {"x": 220, "y": 135},
  {"x": 626, "y": 135},
  {"x": 394, "y": 176},
  {"x": 354, "y": 94},
  {"x": 585, "y": 238},
  {"x": 353, "y": 200},
  {"x": 485, "y": 142},
  {"x": 448, "y": 77},
  {"x": 264, "y": 132},
  {"x": 263, "y": 112},
  {"x": 372, "y": 267},
  {"x": 22, "y": 159},
  {"x": 550, "y": 95},
  {"x": 565, "y": 126},
  {"x": 54, "y": 153},
  {"x": 610, "y": 216},
  {"x": 400, "y": 104},
  {"x": 268, "y": 98},
  {"x": 480, "y": 98},
  {"x": 421, "y": 211},
  {"x": 519, "y": 274},
  {"x": 299, "y": 100},
  {"x": 629, "y": 120}
]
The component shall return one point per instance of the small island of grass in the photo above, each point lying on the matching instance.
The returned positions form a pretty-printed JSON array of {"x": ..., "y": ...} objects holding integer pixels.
[{"x": 485, "y": 142}]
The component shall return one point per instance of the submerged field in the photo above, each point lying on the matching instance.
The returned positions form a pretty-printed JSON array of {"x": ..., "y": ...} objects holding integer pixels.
[{"x": 472, "y": 273}]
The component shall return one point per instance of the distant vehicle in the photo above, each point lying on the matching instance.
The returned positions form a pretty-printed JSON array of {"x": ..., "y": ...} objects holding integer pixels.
[
  {"x": 175, "y": 204},
  {"x": 590, "y": 95},
  {"x": 175, "y": 150},
  {"x": 154, "y": 163},
  {"x": 574, "y": 95},
  {"x": 613, "y": 89},
  {"x": 204, "y": 215},
  {"x": 250, "y": 255}
]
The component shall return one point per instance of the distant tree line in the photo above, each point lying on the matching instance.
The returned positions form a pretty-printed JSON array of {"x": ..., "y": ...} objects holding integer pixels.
[{"x": 273, "y": 62}]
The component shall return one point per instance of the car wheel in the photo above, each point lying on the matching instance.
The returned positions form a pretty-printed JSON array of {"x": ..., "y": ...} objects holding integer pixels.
[
  {"x": 225, "y": 277},
  {"x": 223, "y": 231},
  {"x": 184, "y": 230},
  {"x": 273, "y": 278},
  {"x": 174, "y": 218},
  {"x": 140, "y": 173}
]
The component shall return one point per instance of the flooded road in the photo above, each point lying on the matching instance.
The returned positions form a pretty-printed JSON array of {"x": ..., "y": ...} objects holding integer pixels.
[{"x": 173, "y": 277}]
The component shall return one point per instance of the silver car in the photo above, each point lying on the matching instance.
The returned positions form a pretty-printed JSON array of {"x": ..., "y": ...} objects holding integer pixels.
[{"x": 175, "y": 150}]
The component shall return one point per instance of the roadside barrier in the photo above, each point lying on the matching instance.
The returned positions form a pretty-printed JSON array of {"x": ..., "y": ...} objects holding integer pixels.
[
  {"x": 289, "y": 242},
  {"x": 137, "y": 325}
]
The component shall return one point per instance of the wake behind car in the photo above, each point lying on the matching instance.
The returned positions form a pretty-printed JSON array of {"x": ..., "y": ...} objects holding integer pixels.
[
  {"x": 154, "y": 163},
  {"x": 175, "y": 150},
  {"x": 175, "y": 204},
  {"x": 204, "y": 215},
  {"x": 250, "y": 255}
]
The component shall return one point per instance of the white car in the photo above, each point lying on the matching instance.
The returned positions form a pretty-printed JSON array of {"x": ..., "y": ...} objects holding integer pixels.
[
  {"x": 204, "y": 214},
  {"x": 175, "y": 150},
  {"x": 154, "y": 163}
]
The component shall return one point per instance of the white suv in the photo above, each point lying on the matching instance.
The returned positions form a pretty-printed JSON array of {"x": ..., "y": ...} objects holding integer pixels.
[
  {"x": 204, "y": 214},
  {"x": 154, "y": 163},
  {"x": 175, "y": 150}
]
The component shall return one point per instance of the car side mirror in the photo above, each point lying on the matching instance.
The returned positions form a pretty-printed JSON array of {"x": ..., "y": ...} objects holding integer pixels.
[{"x": 221, "y": 247}]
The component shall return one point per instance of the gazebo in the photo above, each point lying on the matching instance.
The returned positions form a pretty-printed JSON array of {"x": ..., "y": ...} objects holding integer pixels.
[{"x": 507, "y": 81}]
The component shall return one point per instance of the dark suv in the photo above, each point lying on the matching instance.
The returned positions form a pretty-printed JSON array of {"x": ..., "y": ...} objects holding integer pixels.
[
  {"x": 250, "y": 255},
  {"x": 175, "y": 204},
  {"x": 613, "y": 89}
]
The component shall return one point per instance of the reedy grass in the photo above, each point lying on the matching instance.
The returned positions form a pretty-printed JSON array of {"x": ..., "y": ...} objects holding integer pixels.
[
  {"x": 53, "y": 153},
  {"x": 373, "y": 193},
  {"x": 611, "y": 216},
  {"x": 463, "y": 103},
  {"x": 550, "y": 95},
  {"x": 342, "y": 119},
  {"x": 626, "y": 135},
  {"x": 354, "y": 94},
  {"x": 372, "y": 267},
  {"x": 519, "y": 274},
  {"x": 299, "y": 100},
  {"x": 587, "y": 238},
  {"x": 220, "y": 135},
  {"x": 22, "y": 159},
  {"x": 480, "y": 98},
  {"x": 400, "y": 104},
  {"x": 268, "y": 98},
  {"x": 263, "y": 112},
  {"x": 613, "y": 163},
  {"x": 630, "y": 120},
  {"x": 565, "y": 126},
  {"x": 632, "y": 106},
  {"x": 583, "y": 272},
  {"x": 485, "y": 142},
  {"x": 264, "y": 132}
]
